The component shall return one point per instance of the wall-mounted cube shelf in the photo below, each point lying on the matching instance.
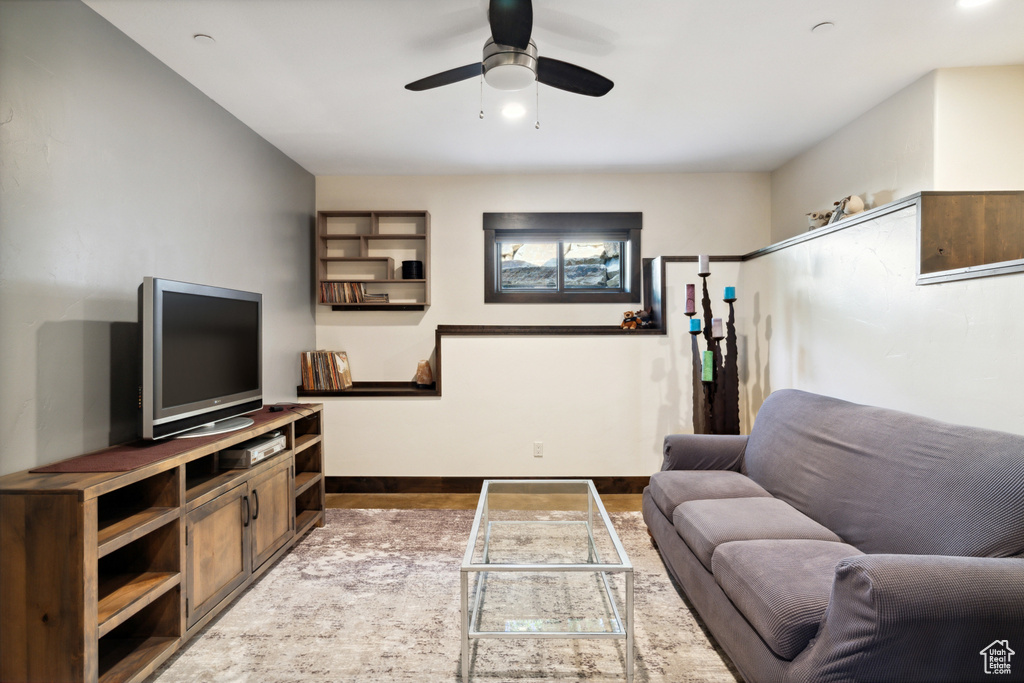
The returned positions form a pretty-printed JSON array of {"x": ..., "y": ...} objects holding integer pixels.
[{"x": 359, "y": 256}]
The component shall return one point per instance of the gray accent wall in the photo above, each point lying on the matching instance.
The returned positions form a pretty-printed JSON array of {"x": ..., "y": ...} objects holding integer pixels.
[{"x": 112, "y": 168}]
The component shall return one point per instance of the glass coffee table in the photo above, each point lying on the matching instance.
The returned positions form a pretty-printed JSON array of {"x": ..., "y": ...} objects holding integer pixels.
[{"x": 543, "y": 561}]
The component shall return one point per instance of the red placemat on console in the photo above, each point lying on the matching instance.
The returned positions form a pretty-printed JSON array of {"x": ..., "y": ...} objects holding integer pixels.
[{"x": 133, "y": 455}]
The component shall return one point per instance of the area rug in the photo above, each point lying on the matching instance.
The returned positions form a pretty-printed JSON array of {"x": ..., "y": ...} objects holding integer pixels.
[{"x": 374, "y": 596}]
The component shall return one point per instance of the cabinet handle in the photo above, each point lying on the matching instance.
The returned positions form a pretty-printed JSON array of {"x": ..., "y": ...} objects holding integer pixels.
[
  {"x": 246, "y": 499},
  {"x": 256, "y": 502}
]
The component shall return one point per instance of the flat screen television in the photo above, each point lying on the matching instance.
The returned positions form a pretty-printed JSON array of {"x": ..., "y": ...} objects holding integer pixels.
[{"x": 201, "y": 358}]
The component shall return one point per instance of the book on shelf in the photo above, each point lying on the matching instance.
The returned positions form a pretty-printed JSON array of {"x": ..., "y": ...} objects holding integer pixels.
[
  {"x": 325, "y": 371},
  {"x": 342, "y": 292}
]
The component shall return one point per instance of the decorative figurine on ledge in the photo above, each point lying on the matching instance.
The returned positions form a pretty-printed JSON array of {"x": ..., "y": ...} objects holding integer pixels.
[
  {"x": 424, "y": 375},
  {"x": 817, "y": 219},
  {"x": 716, "y": 380},
  {"x": 639, "y": 320}
]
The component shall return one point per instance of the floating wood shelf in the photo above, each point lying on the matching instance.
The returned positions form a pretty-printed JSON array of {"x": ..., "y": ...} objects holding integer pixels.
[
  {"x": 379, "y": 307},
  {"x": 375, "y": 389},
  {"x": 386, "y": 236},
  {"x": 378, "y": 280}
]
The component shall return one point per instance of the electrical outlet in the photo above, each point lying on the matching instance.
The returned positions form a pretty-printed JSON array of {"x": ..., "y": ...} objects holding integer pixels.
[{"x": 538, "y": 449}]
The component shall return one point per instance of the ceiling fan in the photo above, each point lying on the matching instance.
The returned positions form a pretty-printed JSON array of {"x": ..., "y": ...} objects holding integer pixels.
[{"x": 510, "y": 60}]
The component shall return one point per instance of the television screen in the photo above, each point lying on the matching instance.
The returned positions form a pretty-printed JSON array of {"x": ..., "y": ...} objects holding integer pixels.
[
  {"x": 210, "y": 347},
  {"x": 201, "y": 357}
]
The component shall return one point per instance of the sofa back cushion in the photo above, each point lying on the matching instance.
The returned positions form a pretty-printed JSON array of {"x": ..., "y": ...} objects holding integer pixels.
[{"x": 889, "y": 482}]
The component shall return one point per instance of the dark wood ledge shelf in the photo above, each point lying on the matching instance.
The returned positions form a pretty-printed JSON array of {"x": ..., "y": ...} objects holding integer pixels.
[
  {"x": 376, "y": 389},
  {"x": 541, "y": 330},
  {"x": 380, "y": 307}
]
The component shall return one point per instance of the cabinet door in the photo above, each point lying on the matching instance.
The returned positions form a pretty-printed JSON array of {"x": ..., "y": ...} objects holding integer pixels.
[
  {"x": 217, "y": 551},
  {"x": 272, "y": 511}
]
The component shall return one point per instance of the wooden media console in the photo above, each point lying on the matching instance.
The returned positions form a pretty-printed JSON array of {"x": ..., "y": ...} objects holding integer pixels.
[{"x": 103, "y": 575}]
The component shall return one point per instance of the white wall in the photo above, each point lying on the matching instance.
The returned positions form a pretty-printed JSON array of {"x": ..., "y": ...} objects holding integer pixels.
[
  {"x": 979, "y": 128},
  {"x": 601, "y": 405},
  {"x": 882, "y": 155},
  {"x": 953, "y": 129},
  {"x": 841, "y": 315},
  {"x": 114, "y": 168}
]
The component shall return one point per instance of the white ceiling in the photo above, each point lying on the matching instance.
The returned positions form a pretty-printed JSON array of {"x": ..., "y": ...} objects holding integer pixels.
[{"x": 700, "y": 85}]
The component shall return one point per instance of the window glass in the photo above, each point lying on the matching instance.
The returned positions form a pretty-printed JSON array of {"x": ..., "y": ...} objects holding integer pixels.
[
  {"x": 529, "y": 267},
  {"x": 592, "y": 265}
]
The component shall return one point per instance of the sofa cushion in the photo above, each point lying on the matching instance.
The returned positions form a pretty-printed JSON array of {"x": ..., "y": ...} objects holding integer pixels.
[
  {"x": 706, "y": 524},
  {"x": 670, "y": 488},
  {"x": 782, "y": 587},
  {"x": 889, "y": 482}
]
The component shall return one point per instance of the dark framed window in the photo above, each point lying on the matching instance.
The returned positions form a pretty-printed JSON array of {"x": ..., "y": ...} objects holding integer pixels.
[{"x": 562, "y": 257}]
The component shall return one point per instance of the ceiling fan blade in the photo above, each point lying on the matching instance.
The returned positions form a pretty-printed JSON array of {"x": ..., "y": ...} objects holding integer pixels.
[
  {"x": 575, "y": 79},
  {"x": 447, "y": 77},
  {"x": 511, "y": 22}
]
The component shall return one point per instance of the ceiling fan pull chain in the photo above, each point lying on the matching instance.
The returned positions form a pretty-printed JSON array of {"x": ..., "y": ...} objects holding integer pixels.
[
  {"x": 481, "y": 95},
  {"x": 537, "y": 108}
]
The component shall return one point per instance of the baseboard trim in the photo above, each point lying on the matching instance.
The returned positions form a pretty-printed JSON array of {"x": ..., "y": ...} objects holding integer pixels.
[{"x": 605, "y": 485}]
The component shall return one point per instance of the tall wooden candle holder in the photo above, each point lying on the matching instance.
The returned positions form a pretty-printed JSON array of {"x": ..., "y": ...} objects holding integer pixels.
[{"x": 716, "y": 389}]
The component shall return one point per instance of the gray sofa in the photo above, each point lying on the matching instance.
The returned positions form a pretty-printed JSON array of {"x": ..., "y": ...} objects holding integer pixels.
[{"x": 841, "y": 542}]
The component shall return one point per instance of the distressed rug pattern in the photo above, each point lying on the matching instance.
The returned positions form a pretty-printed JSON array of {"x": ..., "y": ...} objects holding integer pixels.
[{"x": 374, "y": 596}]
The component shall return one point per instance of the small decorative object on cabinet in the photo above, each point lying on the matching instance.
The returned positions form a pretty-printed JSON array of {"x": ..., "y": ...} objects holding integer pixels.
[
  {"x": 356, "y": 256},
  {"x": 104, "y": 574}
]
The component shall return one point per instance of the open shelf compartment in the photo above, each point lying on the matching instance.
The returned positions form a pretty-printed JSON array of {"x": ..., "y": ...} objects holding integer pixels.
[
  {"x": 127, "y": 513},
  {"x": 138, "y": 646},
  {"x": 204, "y": 479},
  {"x": 137, "y": 574},
  {"x": 309, "y": 507}
]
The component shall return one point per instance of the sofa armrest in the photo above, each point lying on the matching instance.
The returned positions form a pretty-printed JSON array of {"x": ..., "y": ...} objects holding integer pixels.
[
  {"x": 918, "y": 618},
  {"x": 703, "y": 452}
]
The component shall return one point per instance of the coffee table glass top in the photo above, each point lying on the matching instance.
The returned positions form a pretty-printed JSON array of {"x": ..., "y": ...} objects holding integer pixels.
[{"x": 523, "y": 523}]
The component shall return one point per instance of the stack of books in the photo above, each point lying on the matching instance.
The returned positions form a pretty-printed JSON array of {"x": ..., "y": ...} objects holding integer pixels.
[
  {"x": 325, "y": 371},
  {"x": 375, "y": 298}
]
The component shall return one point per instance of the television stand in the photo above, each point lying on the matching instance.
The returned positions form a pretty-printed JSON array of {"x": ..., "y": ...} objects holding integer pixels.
[
  {"x": 230, "y": 424},
  {"x": 105, "y": 574}
]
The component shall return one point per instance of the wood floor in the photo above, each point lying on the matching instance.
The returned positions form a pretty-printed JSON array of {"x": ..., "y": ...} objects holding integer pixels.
[{"x": 619, "y": 502}]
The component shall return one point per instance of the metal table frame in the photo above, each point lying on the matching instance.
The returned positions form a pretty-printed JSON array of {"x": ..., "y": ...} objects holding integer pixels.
[{"x": 469, "y": 615}]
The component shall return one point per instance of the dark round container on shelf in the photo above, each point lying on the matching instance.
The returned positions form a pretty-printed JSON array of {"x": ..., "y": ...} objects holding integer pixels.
[{"x": 412, "y": 270}]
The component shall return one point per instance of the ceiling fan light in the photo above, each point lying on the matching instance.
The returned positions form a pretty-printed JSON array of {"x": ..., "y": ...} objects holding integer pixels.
[
  {"x": 510, "y": 77},
  {"x": 509, "y": 68}
]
